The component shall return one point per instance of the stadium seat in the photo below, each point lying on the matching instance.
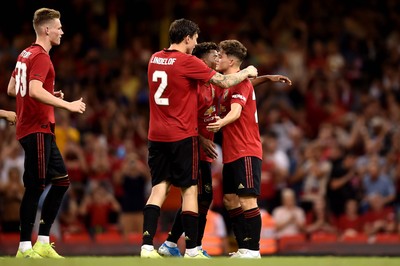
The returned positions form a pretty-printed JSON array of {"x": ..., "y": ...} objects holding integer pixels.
[
  {"x": 268, "y": 246},
  {"x": 9, "y": 238},
  {"x": 76, "y": 238},
  {"x": 322, "y": 237},
  {"x": 286, "y": 241},
  {"x": 134, "y": 238},
  {"x": 387, "y": 238},
  {"x": 213, "y": 245},
  {"x": 359, "y": 238},
  {"x": 160, "y": 237},
  {"x": 108, "y": 238}
]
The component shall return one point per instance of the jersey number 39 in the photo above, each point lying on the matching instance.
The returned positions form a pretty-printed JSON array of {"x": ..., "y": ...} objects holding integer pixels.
[
  {"x": 161, "y": 88},
  {"x": 20, "y": 79}
]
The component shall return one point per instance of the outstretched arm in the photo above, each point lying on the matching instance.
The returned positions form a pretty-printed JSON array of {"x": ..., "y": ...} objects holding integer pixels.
[
  {"x": 274, "y": 78},
  {"x": 227, "y": 81},
  {"x": 37, "y": 92}
]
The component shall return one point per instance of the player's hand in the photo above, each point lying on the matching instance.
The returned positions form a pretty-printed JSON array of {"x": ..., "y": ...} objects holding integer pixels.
[
  {"x": 252, "y": 72},
  {"x": 59, "y": 94},
  {"x": 11, "y": 117},
  {"x": 77, "y": 106},
  {"x": 215, "y": 126},
  {"x": 280, "y": 78},
  {"x": 209, "y": 148}
]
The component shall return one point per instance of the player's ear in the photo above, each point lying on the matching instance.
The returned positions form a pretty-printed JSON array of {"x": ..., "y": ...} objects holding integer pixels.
[{"x": 187, "y": 39}]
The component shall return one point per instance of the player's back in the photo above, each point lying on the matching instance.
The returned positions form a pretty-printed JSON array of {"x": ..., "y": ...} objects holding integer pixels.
[
  {"x": 33, "y": 63},
  {"x": 172, "y": 77}
]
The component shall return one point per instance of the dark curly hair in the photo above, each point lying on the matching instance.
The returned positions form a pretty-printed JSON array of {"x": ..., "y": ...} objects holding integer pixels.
[{"x": 203, "y": 48}]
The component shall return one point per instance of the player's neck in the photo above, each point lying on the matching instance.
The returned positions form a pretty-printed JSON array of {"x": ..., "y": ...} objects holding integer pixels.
[
  {"x": 179, "y": 47},
  {"x": 44, "y": 43},
  {"x": 231, "y": 70}
]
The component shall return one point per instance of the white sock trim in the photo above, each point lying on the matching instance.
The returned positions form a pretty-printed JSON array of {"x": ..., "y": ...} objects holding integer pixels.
[
  {"x": 148, "y": 247},
  {"x": 43, "y": 239},
  {"x": 25, "y": 245}
]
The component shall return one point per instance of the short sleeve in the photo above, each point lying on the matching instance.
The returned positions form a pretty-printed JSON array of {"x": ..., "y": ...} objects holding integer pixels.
[
  {"x": 196, "y": 69},
  {"x": 241, "y": 93},
  {"x": 39, "y": 67}
]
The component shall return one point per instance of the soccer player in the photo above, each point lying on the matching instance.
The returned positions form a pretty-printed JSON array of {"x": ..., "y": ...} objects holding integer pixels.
[
  {"x": 207, "y": 110},
  {"x": 32, "y": 83},
  {"x": 10, "y": 116},
  {"x": 173, "y": 138},
  {"x": 242, "y": 153}
]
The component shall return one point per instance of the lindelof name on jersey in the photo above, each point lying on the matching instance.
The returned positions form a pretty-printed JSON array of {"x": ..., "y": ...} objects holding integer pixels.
[
  {"x": 239, "y": 96},
  {"x": 25, "y": 54},
  {"x": 163, "y": 61}
]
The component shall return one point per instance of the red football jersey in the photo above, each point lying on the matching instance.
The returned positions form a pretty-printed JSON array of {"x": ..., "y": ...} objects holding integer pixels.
[
  {"x": 207, "y": 110},
  {"x": 173, "y": 78},
  {"x": 33, "y": 116},
  {"x": 242, "y": 137}
]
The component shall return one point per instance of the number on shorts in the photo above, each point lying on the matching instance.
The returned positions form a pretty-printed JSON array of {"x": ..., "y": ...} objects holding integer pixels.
[
  {"x": 20, "y": 79},
  {"x": 161, "y": 88}
]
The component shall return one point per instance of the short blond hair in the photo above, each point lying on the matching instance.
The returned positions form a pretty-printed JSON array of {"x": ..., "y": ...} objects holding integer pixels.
[{"x": 43, "y": 15}]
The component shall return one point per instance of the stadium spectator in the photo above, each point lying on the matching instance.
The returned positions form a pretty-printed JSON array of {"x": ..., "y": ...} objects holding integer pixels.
[
  {"x": 378, "y": 219},
  {"x": 340, "y": 185},
  {"x": 289, "y": 218},
  {"x": 11, "y": 156},
  {"x": 319, "y": 219},
  {"x": 133, "y": 178},
  {"x": 11, "y": 193},
  {"x": 98, "y": 207},
  {"x": 314, "y": 173},
  {"x": 376, "y": 181},
  {"x": 275, "y": 171},
  {"x": 350, "y": 223}
]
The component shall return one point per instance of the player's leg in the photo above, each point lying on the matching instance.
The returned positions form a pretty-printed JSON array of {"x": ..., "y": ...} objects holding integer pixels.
[
  {"x": 58, "y": 177},
  {"x": 205, "y": 196},
  {"x": 185, "y": 169},
  {"x": 248, "y": 200},
  {"x": 232, "y": 203},
  {"x": 159, "y": 163},
  {"x": 170, "y": 246},
  {"x": 34, "y": 182}
]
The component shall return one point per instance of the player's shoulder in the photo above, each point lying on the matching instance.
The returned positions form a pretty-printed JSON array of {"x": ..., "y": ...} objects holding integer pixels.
[{"x": 32, "y": 52}]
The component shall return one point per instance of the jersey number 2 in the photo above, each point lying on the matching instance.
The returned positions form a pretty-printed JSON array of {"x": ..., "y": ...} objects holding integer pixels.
[
  {"x": 20, "y": 79},
  {"x": 161, "y": 88}
]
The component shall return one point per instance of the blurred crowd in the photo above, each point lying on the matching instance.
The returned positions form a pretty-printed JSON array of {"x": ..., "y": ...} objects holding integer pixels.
[{"x": 331, "y": 141}]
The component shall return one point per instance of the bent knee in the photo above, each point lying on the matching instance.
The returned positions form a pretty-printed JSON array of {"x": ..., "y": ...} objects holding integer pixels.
[{"x": 231, "y": 201}]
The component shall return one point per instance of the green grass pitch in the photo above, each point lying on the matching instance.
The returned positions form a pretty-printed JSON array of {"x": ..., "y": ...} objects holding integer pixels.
[{"x": 266, "y": 261}]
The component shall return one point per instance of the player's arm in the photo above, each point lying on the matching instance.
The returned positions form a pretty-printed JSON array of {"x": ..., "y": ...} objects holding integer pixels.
[
  {"x": 10, "y": 116},
  {"x": 232, "y": 116},
  {"x": 274, "y": 78},
  {"x": 37, "y": 92},
  {"x": 208, "y": 147},
  {"x": 227, "y": 81},
  {"x": 11, "y": 87}
]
